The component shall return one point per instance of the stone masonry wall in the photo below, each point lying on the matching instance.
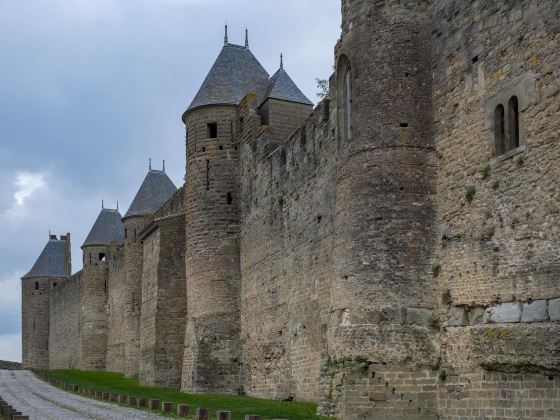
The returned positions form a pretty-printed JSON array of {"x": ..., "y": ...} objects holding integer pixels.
[
  {"x": 499, "y": 256},
  {"x": 283, "y": 117},
  {"x": 163, "y": 304},
  {"x": 287, "y": 203},
  {"x": 65, "y": 344},
  {"x": 149, "y": 308},
  {"x": 94, "y": 308},
  {"x": 35, "y": 294},
  {"x": 116, "y": 334},
  {"x": 133, "y": 254}
]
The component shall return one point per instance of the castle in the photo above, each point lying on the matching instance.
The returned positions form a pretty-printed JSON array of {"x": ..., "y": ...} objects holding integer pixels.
[{"x": 391, "y": 253}]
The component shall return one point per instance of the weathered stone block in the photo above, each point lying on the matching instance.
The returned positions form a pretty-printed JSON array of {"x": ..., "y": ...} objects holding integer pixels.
[
  {"x": 132, "y": 400},
  {"x": 506, "y": 313},
  {"x": 142, "y": 402},
  {"x": 395, "y": 315},
  {"x": 418, "y": 316},
  {"x": 536, "y": 311},
  {"x": 476, "y": 315},
  {"x": 183, "y": 410},
  {"x": 154, "y": 404},
  {"x": 554, "y": 309},
  {"x": 458, "y": 316},
  {"x": 201, "y": 414},
  {"x": 223, "y": 415},
  {"x": 167, "y": 407}
]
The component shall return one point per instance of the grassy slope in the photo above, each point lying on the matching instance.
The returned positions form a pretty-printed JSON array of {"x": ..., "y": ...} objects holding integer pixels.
[{"x": 239, "y": 406}]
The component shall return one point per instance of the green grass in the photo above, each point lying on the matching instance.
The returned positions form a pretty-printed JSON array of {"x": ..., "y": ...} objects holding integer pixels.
[{"x": 239, "y": 406}]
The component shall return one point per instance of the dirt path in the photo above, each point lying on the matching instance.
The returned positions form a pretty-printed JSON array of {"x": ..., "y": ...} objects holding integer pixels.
[{"x": 41, "y": 401}]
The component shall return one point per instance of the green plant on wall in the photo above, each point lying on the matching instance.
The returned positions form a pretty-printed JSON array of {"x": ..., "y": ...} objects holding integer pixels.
[{"x": 471, "y": 192}]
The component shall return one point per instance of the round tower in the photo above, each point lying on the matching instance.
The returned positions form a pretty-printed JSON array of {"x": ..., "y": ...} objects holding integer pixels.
[
  {"x": 155, "y": 190},
  {"x": 385, "y": 187},
  {"x": 107, "y": 229},
  {"x": 213, "y": 359},
  {"x": 51, "y": 268}
]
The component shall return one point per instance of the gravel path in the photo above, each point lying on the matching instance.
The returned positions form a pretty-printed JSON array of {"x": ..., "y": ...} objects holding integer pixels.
[{"x": 41, "y": 401}]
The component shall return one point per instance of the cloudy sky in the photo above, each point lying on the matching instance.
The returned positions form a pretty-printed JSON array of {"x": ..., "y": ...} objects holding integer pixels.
[{"x": 90, "y": 89}]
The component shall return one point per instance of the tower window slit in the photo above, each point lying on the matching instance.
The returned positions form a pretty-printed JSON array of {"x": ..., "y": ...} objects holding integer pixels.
[
  {"x": 212, "y": 130},
  {"x": 499, "y": 129},
  {"x": 207, "y": 175},
  {"x": 513, "y": 119},
  {"x": 229, "y": 198}
]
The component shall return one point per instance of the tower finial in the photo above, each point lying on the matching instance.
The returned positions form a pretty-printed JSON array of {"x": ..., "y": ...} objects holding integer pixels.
[
  {"x": 102, "y": 204},
  {"x": 164, "y": 165},
  {"x": 281, "y": 61},
  {"x": 150, "y": 164},
  {"x": 246, "y": 38},
  {"x": 226, "y": 37},
  {"x": 117, "y": 205}
]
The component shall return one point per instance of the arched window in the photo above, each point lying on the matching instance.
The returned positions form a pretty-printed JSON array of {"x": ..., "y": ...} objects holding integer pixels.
[
  {"x": 345, "y": 98},
  {"x": 36, "y": 285},
  {"x": 513, "y": 123},
  {"x": 499, "y": 130}
]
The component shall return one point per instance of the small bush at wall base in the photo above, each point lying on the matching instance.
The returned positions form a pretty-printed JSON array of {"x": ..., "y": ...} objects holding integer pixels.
[
  {"x": 446, "y": 297},
  {"x": 486, "y": 172},
  {"x": 471, "y": 192}
]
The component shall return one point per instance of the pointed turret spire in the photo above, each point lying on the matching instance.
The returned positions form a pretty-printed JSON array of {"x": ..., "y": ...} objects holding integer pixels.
[
  {"x": 155, "y": 190},
  {"x": 226, "y": 37},
  {"x": 107, "y": 228},
  {"x": 164, "y": 166},
  {"x": 246, "y": 38},
  {"x": 281, "y": 61},
  {"x": 102, "y": 204}
]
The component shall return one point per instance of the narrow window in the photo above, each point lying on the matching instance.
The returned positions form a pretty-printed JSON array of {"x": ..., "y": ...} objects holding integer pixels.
[
  {"x": 513, "y": 119},
  {"x": 221, "y": 147},
  {"x": 207, "y": 175},
  {"x": 101, "y": 256},
  {"x": 134, "y": 236},
  {"x": 33, "y": 325},
  {"x": 344, "y": 99},
  {"x": 54, "y": 285},
  {"x": 229, "y": 198},
  {"x": 241, "y": 125},
  {"x": 125, "y": 233},
  {"x": 36, "y": 285},
  {"x": 105, "y": 286},
  {"x": 348, "y": 100},
  {"x": 499, "y": 127},
  {"x": 212, "y": 130}
]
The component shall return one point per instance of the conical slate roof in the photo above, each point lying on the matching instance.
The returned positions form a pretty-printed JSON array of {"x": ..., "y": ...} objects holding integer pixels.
[
  {"x": 107, "y": 228},
  {"x": 51, "y": 262},
  {"x": 235, "y": 73},
  {"x": 281, "y": 86},
  {"x": 156, "y": 189}
]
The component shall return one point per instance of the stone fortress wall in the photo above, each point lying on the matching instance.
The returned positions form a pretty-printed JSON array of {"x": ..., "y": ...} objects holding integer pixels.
[
  {"x": 65, "y": 323},
  {"x": 392, "y": 253}
]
